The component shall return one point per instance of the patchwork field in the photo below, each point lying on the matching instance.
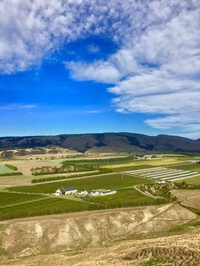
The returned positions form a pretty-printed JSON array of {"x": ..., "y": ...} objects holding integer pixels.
[
  {"x": 25, "y": 166},
  {"x": 148, "y": 162},
  {"x": 163, "y": 173},
  {"x": 32, "y": 221},
  {"x": 106, "y": 181},
  {"x": 126, "y": 196}
]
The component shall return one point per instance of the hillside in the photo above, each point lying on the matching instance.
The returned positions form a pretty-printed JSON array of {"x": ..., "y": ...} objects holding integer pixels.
[
  {"x": 105, "y": 142},
  {"x": 77, "y": 232}
]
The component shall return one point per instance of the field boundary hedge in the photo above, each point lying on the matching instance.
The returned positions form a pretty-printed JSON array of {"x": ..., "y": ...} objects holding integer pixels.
[
  {"x": 11, "y": 174},
  {"x": 11, "y": 167}
]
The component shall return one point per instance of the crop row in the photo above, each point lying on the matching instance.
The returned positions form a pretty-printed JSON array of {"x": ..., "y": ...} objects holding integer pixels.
[
  {"x": 105, "y": 181},
  {"x": 7, "y": 198},
  {"x": 165, "y": 174}
]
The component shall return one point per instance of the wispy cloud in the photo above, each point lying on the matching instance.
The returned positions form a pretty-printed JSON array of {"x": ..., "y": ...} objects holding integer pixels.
[
  {"x": 14, "y": 107},
  {"x": 94, "y": 111}
]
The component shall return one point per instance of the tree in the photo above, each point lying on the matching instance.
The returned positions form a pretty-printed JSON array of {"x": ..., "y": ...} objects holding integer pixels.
[{"x": 7, "y": 154}]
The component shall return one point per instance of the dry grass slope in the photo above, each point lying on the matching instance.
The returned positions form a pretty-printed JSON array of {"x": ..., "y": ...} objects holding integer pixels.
[
  {"x": 179, "y": 250},
  {"x": 75, "y": 238}
]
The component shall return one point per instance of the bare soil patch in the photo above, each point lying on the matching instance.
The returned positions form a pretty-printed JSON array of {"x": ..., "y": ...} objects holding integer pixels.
[
  {"x": 76, "y": 232},
  {"x": 178, "y": 250},
  {"x": 25, "y": 166},
  {"x": 188, "y": 197}
]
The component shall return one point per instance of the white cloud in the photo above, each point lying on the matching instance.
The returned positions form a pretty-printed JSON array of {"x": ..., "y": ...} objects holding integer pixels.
[
  {"x": 11, "y": 107},
  {"x": 155, "y": 70},
  {"x": 94, "y": 112},
  {"x": 99, "y": 71}
]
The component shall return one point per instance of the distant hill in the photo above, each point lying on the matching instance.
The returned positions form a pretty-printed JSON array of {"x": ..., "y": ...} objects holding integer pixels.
[{"x": 105, "y": 142}]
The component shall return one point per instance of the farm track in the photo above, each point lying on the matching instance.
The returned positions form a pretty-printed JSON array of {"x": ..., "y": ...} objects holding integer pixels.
[{"x": 145, "y": 193}]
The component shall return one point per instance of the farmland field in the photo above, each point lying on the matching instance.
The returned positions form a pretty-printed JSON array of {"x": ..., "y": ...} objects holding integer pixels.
[
  {"x": 7, "y": 199},
  {"x": 45, "y": 206},
  {"x": 189, "y": 166},
  {"x": 49, "y": 205},
  {"x": 189, "y": 197},
  {"x": 124, "y": 198},
  {"x": 19, "y": 198},
  {"x": 26, "y": 166},
  {"x": 4, "y": 170},
  {"x": 96, "y": 182},
  {"x": 193, "y": 180},
  {"x": 164, "y": 173},
  {"x": 150, "y": 163},
  {"x": 15, "y": 204}
]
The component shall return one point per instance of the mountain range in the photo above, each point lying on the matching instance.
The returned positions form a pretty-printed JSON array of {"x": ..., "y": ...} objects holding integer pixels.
[{"x": 105, "y": 142}]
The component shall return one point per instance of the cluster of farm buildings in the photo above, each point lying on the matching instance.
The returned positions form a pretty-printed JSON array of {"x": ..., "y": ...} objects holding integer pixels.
[{"x": 92, "y": 193}]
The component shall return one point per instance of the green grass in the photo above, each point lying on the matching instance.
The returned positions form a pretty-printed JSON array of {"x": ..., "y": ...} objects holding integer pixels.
[
  {"x": 129, "y": 168},
  {"x": 16, "y": 198},
  {"x": 194, "y": 167},
  {"x": 192, "y": 180},
  {"x": 43, "y": 207},
  {"x": 97, "y": 182},
  {"x": 125, "y": 198},
  {"x": 11, "y": 167},
  {"x": 155, "y": 262},
  {"x": 5, "y": 170}
]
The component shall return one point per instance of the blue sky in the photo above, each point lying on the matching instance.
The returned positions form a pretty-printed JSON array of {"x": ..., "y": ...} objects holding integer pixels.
[{"x": 89, "y": 66}]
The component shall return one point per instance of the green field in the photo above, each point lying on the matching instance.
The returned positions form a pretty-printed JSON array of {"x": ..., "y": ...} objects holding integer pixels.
[
  {"x": 193, "y": 180},
  {"x": 21, "y": 205},
  {"x": 125, "y": 198},
  {"x": 5, "y": 170},
  {"x": 43, "y": 207},
  {"x": 193, "y": 167},
  {"x": 7, "y": 199},
  {"x": 17, "y": 203},
  {"x": 139, "y": 164},
  {"x": 97, "y": 182}
]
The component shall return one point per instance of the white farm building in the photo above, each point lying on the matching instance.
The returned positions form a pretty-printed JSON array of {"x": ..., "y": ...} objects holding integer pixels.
[{"x": 65, "y": 191}]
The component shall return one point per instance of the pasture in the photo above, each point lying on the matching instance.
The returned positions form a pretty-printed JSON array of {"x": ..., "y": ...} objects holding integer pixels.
[
  {"x": 44, "y": 206},
  {"x": 5, "y": 170},
  {"x": 105, "y": 181},
  {"x": 125, "y": 198},
  {"x": 8, "y": 199},
  {"x": 193, "y": 180},
  {"x": 188, "y": 167},
  {"x": 23, "y": 199},
  {"x": 25, "y": 166},
  {"x": 26, "y": 206},
  {"x": 148, "y": 162}
]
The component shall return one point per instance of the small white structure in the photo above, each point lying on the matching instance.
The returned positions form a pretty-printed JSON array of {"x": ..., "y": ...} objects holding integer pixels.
[
  {"x": 65, "y": 191},
  {"x": 70, "y": 190},
  {"x": 108, "y": 192},
  {"x": 160, "y": 182},
  {"x": 91, "y": 193},
  {"x": 94, "y": 193},
  {"x": 57, "y": 193}
]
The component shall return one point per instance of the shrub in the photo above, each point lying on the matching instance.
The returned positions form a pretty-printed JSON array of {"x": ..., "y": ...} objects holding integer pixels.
[{"x": 11, "y": 167}]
